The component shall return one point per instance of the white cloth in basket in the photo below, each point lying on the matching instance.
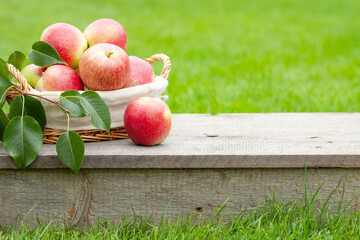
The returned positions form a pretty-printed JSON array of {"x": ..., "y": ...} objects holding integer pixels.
[{"x": 117, "y": 101}]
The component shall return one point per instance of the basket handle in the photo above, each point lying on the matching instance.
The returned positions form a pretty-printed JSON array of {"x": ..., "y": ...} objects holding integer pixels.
[
  {"x": 165, "y": 59},
  {"x": 24, "y": 86}
]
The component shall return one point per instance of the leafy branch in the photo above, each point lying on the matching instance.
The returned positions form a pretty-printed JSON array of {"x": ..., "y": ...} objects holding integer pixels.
[
  {"x": 39, "y": 96},
  {"x": 21, "y": 131}
]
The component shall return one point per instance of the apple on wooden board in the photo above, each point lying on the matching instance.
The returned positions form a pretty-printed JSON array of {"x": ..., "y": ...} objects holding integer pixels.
[
  {"x": 68, "y": 41},
  {"x": 104, "y": 67},
  {"x": 147, "y": 121},
  {"x": 106, "y": 30},
  {"x": 59, "y": 78},
  {"x": 141, "y": 72},
  {"x": 32, "y": 73}
]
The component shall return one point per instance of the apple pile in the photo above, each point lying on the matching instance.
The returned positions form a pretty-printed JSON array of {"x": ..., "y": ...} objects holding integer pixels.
[{"x": 96, "y": 59}]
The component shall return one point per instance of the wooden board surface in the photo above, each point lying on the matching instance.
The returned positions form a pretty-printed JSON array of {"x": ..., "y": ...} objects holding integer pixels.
[
  {"x": 99, "y": 194},
  {"x": 274, "y": 140}
]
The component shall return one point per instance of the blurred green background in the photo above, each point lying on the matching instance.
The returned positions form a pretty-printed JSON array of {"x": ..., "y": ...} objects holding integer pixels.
[{"x": 228, "y": 56}]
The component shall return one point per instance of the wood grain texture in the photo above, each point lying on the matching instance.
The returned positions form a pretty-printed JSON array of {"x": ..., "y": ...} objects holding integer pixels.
[
  {"x": 274, "y": 140},
  {"x": 101, "y": 194}
]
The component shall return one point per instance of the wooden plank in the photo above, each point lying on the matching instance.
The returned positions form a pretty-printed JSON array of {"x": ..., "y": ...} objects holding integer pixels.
[
  {"x": 99, "y": 194},
  {"x": 206, "y": 160},
  {"x": 274, "y": 140}
]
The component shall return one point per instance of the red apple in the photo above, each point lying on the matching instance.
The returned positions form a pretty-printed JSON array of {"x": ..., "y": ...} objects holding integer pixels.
[
  {"x": 69, "y": 41},
  {"x": 59, "y": 78},
  {"x": 141, "y": 72},
  {"x": 106, "y": 31},
  {"x": 104, "y": 67},
  {"x": 32, "y": 73},
  {"x": 147, "y": 121}
]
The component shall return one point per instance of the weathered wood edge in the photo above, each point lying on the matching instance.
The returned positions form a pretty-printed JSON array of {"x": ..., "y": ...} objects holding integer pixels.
[
  {"x": 98, "y": 195},
  {"x": 197, "y": 162}
]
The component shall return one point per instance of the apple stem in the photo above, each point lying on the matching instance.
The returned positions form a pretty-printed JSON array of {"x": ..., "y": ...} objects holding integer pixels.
[
  {"x": 39, "y": 96},
  {"x": 109, "y": 54}
]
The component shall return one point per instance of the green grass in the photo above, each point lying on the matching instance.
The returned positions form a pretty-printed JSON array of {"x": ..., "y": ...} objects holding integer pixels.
[
  {"x": 273, "y": 219},
  {"x": 228, "y": 56}
]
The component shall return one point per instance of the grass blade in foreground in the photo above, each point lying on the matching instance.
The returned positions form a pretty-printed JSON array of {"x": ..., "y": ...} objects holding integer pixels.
[
  {"x": 273, "y": 219},
  {"x": 70, "y": 149},
  {"x": 70, "y": 100},
  {"x": 43, "y": 54},
  {"x": 33, "y": 108},
  {"x": 23, "y": 140},
  {"x": 17, "y": 59},
  {"x": 98, "y": 110}
]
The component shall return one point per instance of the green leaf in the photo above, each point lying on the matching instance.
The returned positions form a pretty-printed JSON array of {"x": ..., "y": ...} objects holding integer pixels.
[
  {"x": 70, "y": 100},
  {"x": 97, "y": 109},
  {"x": 3, "y": 92},
  {"x": 43, "y": 54},
  {"x": 23, "y": 140},
  {"x": 17, "y": 59},
  {"x": 3, "y": 123},
  {"x": 5, "y": 82},
  {"x": 33, "y": 108},
  {"x": 4, "y": 75},
  {"x": 70, "y": 149}
]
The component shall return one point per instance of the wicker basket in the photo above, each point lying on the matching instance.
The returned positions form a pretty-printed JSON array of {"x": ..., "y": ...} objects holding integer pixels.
[{"x": 51, "y": 135}]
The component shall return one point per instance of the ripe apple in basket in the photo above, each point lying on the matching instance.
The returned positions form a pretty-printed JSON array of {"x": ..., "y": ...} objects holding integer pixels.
[
  {"x": 32, "y": 73},
  {"x": 106, "y": 30},
  {"x": 104, "y": 67},
  {"x": 147, "y": 121},
  {"x": 141, "y": 72},
  {"x": 59, "y": 78},
  {"x": 68, "y": 41}
]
